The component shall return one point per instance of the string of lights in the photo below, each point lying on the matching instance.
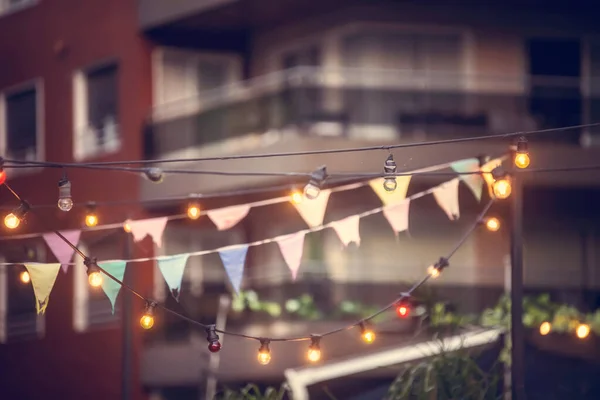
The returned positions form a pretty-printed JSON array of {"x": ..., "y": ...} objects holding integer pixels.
[
  {"x": 312, "y": 152},
  {"x": 264, "y": 353}
]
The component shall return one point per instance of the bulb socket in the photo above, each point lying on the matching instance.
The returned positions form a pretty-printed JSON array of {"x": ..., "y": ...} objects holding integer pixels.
[
  {"x": 522, "y": 147},
  {"x": 22, "y": 210},
  {"x": 91, "y": 265},
  {"x": 318, "y": 177},
  {"x": 389, "y": 166},
  {"x": 64, "y": 188}
]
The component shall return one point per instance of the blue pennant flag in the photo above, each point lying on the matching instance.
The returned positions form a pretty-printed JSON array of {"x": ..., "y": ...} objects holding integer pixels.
[
  {"x": 111, "y": 288},
  {"x": 233, "y": 260},
  {"x": 172, "y": 268},
  {"x": 474, "y": 181}
]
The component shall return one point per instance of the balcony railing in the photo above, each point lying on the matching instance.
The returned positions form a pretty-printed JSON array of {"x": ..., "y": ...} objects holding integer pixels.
[{"x": 370, "y": 104}]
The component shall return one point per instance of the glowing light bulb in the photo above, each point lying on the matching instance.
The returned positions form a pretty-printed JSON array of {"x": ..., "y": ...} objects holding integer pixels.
[
  {"x": 502, "y": 188},
  {"x": 390, "y": 184},
  {"x": 582, "y": 331},
  {"x": 91, "y": 220},
  {"x": 24, "y": 277},
  {"x": 95, "y": 279},
  {"x": 402, "y": 310},
  {"x": 11, "y": 221},
  {"x": 492, "y": 224},
  {"x": 2, "y": 176},
  {"x": 264, "y": 353},
  {"x": 297, "y": 197},
  {"x": 313, "y": 355},
  {"x": 522, "y": 160},
  {"x": 433, "y": 271},
  {"x": 311, "y": 191},
  {"x": 147, "y": 321},
  {"x": 127, "y": 226},
  {"x": 545, "y": 328},
  {"x": 367, "y": 335},
  {"x": 193, "y": 211}
]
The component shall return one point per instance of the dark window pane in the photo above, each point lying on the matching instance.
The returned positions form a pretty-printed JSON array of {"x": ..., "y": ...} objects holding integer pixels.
[
  {"x": 102, "y": 89},
  {"x": 21, "y": 122}
]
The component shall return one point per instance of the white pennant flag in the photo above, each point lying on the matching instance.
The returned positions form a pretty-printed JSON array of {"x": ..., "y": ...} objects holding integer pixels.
[
  {"x": 348, "y": 229},
  {"x": 397, "y": 216},
  {"x": 446, "y": 196},
  {"x": 154, "y": 227},
  {"x": 291, "y": 247},
  {"x": 313, "y": 211},
  {"x": 228, "y": 217}
]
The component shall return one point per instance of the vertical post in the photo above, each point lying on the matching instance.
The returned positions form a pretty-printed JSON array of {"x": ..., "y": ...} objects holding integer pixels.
[
  {"x": 127, "y": 333},
  {"x": 507, "y": 291},
  {"x": 517, "y": 332},
  {"x": 215, "y": 359}
]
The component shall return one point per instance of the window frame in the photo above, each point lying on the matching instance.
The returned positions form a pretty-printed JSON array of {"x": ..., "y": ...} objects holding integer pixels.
[
  {"x": 80, "y": 111},
  {"x": 36, "y": 84}
]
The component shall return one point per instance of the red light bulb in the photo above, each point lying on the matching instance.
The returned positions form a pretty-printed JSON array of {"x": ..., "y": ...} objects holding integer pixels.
[
  {"x": 2, "y": 177},
  {"x": 214, "y": 347},
  {"x": 402, "y": 310}
]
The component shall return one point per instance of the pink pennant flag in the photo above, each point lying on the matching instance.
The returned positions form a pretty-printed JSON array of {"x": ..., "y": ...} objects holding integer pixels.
[
  {"x": 61, "y": 250},
  {"x": 291, "y": 247},
  {"x": 397, "y": 216},
  {"x": 312, "y": 211},
  {"x": 151, "y": 226},
  {"x": 348, "y": 229},
  {"x": 446, "y": 195},
  {"x": 228, "y": 217}
]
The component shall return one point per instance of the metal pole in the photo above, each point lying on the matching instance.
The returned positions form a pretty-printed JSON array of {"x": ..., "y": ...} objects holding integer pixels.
[
  {"x": 127, "y": 334},
  {"x": 516, "y": 259},
  {"x": 215, "y": 359}
]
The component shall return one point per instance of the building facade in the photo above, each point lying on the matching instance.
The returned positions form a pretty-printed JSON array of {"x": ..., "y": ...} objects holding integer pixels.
[{"x": 125, "y": 80}]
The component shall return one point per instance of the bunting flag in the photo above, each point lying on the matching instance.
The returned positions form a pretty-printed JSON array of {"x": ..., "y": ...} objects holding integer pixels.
[
  {"x": 172, "y": 269},
  {"x": 151, "y": 226},
  {"x": 446, "y": 195},
  {"x": 388, "y": 198},
  {"x": 227, "y": 217},
  {"x": 291, "y": 247},
  {"x": 348, "y": 229},
  {"x": 111, "y": 288},
  {"x": 61, "y": 250},
  {"x": 397, "y": 216},
  {"x": 487, "y": 176},
  {"x": 313, "y": 211},
  {"x": 42, "y": 277},
  {"x": 233, "y": 260},
  {"x": 473, "y": 181}
]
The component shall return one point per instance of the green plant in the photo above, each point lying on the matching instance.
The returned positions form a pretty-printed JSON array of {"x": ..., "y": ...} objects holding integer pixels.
[{"x": 253, "y": 392}]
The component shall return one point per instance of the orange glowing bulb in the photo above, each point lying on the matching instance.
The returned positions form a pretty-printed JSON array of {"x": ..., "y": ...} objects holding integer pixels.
[
  {"x": 264, "y": 357},
  {"x": 368, "y": 336},
  {"x": 127, "y": 226},
  {"x": 582, "y": 331},
  {"x": 545, "y": 328},
  {"x": 24, "y": 277},
  {"x": 492, "y": 224},
  {"x": 147, "y": 321},
  {"x": 193, "y": 211},
  {"x": 11, "y": 221},
  {"x": 522, "y": 160},
  {"x": 95, "y": 279},
  {"x": 297, "y": 197},
  {"x": 433, "y": 272},
  {"x": 502, "y": 188},
  {"x": 91, "y": 220},
  {"x": 314, "y": 354}
]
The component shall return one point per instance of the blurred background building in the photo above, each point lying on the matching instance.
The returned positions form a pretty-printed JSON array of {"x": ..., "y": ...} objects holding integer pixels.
[{"x": 125, "y": 80}]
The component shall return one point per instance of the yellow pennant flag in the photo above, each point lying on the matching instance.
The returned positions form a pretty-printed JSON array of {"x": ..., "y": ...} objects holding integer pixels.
[
  {"x": 43, "y": 277},
  {"x": 397, "y": 196},
  {"x": 487, "y": 168}
]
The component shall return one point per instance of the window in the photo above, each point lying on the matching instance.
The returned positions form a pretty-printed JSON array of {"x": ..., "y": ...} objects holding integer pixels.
[
  {"x": 92, "y": 309},
  {"x": 96, "y": 105},
  {"x": 18, "y": 316},
  {"x": 21, "y": 122},
  {"x": 304, "y": 57}
]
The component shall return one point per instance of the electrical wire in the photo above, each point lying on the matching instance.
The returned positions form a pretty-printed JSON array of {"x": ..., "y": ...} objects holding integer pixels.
[
  {"x": 262, "y": 339},
  {"x": 310, "y": 152}
]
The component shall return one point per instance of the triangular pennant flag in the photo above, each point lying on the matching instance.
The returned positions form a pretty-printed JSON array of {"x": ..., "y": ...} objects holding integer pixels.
[
  {"x": 42, "y": 277},
  {"x": 312, "y": 211},
  {"x": 151, "y": 226},
  {"x": 61, "y": 250},
  {"x": 446, "y": 195},
  {"x": 172, "y": 268},
  {"x": 348, "y": 229},
  {"x": 397, "y": 216},
  {"x": 111, "y": 288},
  {"x": 473, "y": 181},
  {"x": 394, "y": 197},
  {"x": 487, "y": 168},
  {"x": 233, "y": 260},
  {"x": 291, "y": 247},
  {"x": 227, "y": 217}
]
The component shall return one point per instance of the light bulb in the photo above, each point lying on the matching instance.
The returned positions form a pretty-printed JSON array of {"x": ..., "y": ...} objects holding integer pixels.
[
  {"x": 522, "y": 160},
  {"x": 127, "y": 226},
  {"x": 193, "y": 211},
  {"x": 154, "y": 174},
  {"x": 502, "y": 188},
  {"x": 213, "y": 339},
  {"x": 2, "y": 176},
  {"x": 95, "y": 279},
  {"x": 91, "y": 220},
  {"x": 65, "y": 204},
  {"x": 311, "y": 191},
  {"x": 314, "y": 354},
  {"x": 368, "y": 336},
  {"x": 147, "y": 321},
  {"x": 582, "y": 331},
  {"x": 492, "y": 224},
  {"x": 545, "y": 328},
  {"x": 390, "y": 184},
  {"x": 402, "y": 310},
  {"x": 11, "y": 221},
  {"x": 296, "y": 197},
  {"x": 264, "y": 353},
  {"x": 433, "y": 271},
  {"x": 24, "y": 277}
]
